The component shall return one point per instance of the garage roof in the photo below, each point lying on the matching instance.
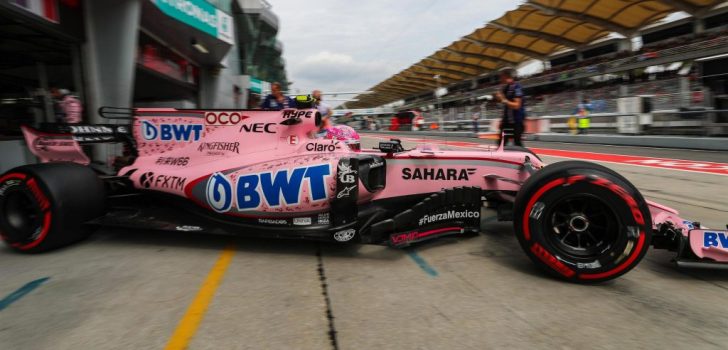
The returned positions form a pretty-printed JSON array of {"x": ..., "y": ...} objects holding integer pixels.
[{"x": 534, "y": 30}]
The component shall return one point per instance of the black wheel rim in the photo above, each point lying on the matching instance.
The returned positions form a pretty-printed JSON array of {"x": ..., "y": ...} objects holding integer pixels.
[
  {"x": 22, "y": 215},
  {"x": 582, "y": 226}
]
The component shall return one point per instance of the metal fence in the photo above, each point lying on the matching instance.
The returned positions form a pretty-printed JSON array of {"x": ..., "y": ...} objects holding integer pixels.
[
  {"x": 565, "y": 104},
  {"x": 697, "y": 123}
]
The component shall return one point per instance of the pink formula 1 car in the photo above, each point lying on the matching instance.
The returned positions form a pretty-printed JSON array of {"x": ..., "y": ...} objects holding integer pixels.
[{"x": 260, "y": 173}]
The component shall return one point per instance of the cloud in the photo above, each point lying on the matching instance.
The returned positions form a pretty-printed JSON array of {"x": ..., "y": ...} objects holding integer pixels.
[
  {"x": 337, "y": 72},
  {"x": 337, "y": 45}
]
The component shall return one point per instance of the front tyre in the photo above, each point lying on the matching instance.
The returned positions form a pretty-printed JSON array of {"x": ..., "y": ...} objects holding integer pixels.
[
  {"x": 582, "y": 222},
  {"x": 44, "y": 206}
]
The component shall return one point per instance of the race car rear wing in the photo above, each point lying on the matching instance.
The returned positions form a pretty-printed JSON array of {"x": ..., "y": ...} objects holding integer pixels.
[
  {"x": 60, "y": 142},
  {"x": 54, "y": 147}
]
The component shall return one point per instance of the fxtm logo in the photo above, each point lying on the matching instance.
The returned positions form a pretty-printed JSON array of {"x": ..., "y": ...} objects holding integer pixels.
[
  {"x": 437, "y": 174},
  {"x": 171, "y": 132},
  {"x": 259, "y": 128},
  {"x": 150, "y": 180},
  {"x": 715, "y": 239},
  {"x": 274, "y": 189},
  {"x": 224, "y": 118}
]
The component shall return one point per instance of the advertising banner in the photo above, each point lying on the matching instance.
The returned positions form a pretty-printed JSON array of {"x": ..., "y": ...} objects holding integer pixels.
[{"x": 200, "y": 15}]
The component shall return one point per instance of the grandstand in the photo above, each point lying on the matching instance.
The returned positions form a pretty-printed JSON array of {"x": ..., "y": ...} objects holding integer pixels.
[{"x": 597, "y": 49}]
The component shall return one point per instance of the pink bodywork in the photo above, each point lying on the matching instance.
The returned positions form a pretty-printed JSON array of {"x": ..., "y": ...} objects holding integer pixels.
[
  {"x": 228, "y": 145},
  {"x": 254, "y": 142},
  {"x": 54, "y": 147}
]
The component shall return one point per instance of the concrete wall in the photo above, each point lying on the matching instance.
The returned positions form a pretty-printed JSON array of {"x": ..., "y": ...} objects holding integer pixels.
[
  {"x": 112, "y": 28},
  {"x": 216, "y": 85},
  {"x": 14, "y": 153}
]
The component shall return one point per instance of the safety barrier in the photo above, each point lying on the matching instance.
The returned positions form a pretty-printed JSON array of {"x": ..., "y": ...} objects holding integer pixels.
[{"x": 696, "y": 122}]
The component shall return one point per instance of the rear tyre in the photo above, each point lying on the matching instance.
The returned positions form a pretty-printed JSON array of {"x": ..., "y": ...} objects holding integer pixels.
[
  {"x": 44, "y": 206},
  {"x": 582, "y": 222}
]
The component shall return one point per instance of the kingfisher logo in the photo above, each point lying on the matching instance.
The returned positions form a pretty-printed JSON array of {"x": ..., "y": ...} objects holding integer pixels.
[
  {"x": 171, "y": 132},
  {"x": 715, "y": 239},
  {"x": 275, "y": 189}
]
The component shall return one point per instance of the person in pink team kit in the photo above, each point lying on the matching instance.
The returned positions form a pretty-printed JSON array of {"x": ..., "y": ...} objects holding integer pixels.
[{"x": 67, "y": 107}]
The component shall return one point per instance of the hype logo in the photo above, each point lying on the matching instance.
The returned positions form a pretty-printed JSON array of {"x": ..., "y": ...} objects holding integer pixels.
[{"x": 281, "y": 188}]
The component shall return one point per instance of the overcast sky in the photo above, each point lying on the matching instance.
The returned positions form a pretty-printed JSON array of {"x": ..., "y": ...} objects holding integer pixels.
[{"x": 345, "y": 45}]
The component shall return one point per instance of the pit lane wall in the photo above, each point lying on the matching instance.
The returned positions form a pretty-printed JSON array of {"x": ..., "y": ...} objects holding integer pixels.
[{"x": 666, "y": 129}]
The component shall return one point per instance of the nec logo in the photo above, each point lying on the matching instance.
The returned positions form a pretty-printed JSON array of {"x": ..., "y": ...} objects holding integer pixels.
[
  {"x": 259, "y": 128},
  {"x": 715, "y": 239},
  {"x": 171, "y": 132}
]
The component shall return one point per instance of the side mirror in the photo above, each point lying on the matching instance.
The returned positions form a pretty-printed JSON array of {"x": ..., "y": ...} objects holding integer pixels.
[
  {"x": 391, "y": 146},
  {"x": 291, "y": 121}
]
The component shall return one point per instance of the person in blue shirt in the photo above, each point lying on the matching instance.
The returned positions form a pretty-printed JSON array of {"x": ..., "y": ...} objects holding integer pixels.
[
  {"x": 514, "y": 111},
  {"x": 276, "y": 101}
]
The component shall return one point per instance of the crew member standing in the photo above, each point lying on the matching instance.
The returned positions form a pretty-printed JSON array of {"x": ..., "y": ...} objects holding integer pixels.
[
  {"x": 476, "y": 118},
  {"x": 514, "y": 113},
  {"x": 276, "y": 101},
  {"x": 325, "y": 110},
  {"x": 67, "y": 107}
]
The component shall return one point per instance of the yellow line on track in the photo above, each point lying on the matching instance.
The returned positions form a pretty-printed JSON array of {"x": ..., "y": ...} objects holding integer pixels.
[{"x": 187, "y": 326}]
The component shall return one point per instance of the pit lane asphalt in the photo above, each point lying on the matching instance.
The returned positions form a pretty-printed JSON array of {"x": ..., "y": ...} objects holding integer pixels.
[{"x": 129, "y": 290}]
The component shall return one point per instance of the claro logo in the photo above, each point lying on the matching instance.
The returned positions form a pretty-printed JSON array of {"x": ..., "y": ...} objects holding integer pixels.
[{"x": 224, "y": 118}]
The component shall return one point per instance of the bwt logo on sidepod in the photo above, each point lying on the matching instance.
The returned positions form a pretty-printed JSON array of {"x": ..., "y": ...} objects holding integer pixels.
[
  {"x": 275, "y": 189},
  {"x": 715, "y": 239},
  {"x": 171, "y": 132}
]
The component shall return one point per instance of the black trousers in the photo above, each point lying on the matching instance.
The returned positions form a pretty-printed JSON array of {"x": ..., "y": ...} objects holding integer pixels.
[{"x": 514, "y": 130}]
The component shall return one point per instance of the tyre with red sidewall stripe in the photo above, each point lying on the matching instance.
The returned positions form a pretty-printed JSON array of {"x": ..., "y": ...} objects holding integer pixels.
[
  {"x": 44, "y": 206},
  {"x": 582, "y": 222}
]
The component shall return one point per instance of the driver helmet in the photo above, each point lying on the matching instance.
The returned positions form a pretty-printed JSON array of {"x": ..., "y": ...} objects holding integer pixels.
[{"x": 345, "y": 134}]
